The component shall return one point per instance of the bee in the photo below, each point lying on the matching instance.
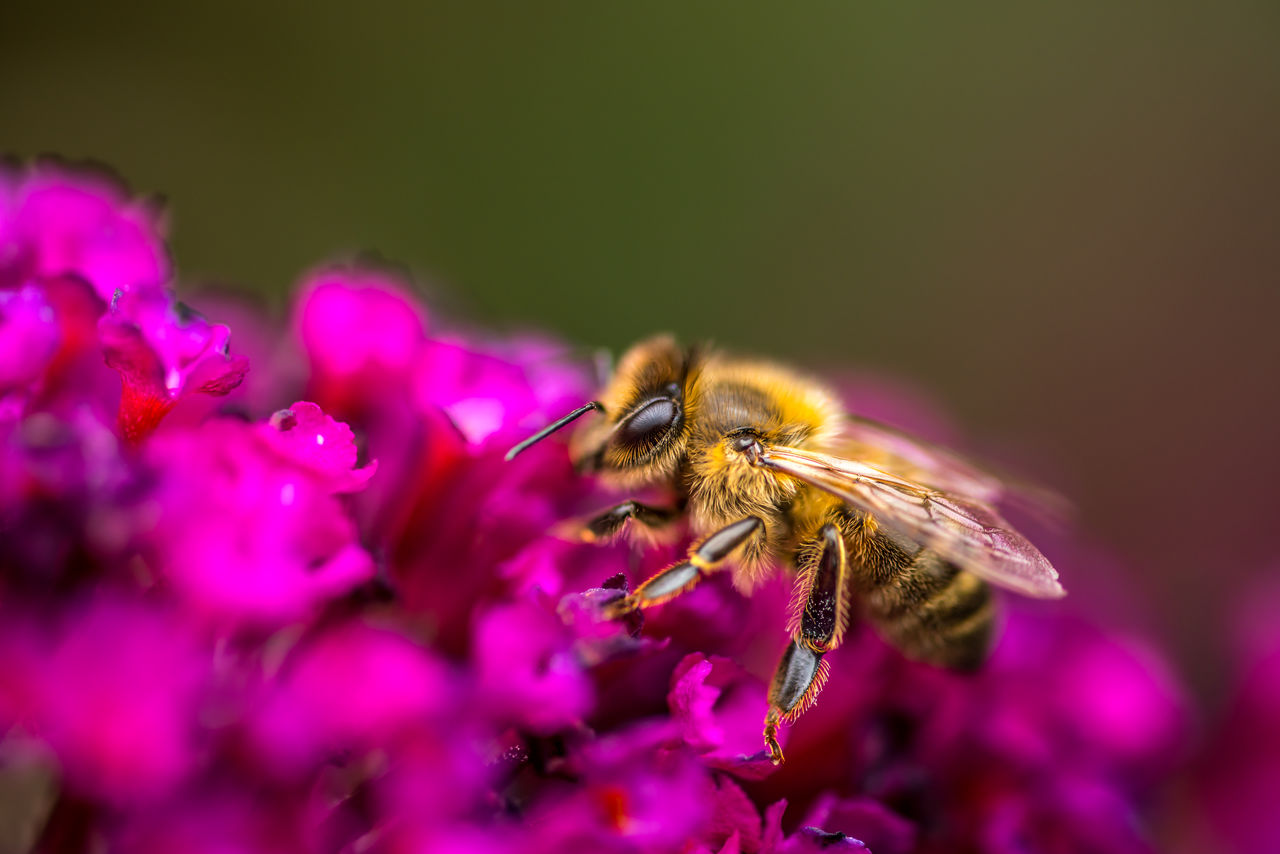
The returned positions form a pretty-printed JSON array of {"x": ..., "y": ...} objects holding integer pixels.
[{"x": 769, "y": 470}]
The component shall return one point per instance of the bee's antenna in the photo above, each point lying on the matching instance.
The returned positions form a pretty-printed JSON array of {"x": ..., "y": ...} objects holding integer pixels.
[{"x": 551, "y": 428}]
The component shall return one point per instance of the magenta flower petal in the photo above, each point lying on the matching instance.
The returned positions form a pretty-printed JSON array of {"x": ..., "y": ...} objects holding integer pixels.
[
  {"x": 454, "y": 505},
  {"x": 74, "y": 375},
  {"x": 315, "y": 442},
  {"x": 691, "y": 701},
  {"x": 598, "y": 640},
  {"x": 163, "y": 350},
  {"x": 493, "y": 395},
  {"x": 527, "y": 674},
  {"x": 865, "y": 819},
  {"x": 733, "y": 816},
  {"x": 217, "y": 821},
  {"x": 813, "y": 840},
  {"x": 245, "y": 533},
  {"x": 1069, "y": 814},
  {"x": 114, "y": 689},
  {"x": 28, "y": 337},
  {"x": 362, "y": 332},
  {"x": 59, "y": 221},
  {"x": 279, "y": 372},
  {"x": 480, "y": 392},
  {"x": 806, "y": 840},
  {"x": 717, "y": 706},
  {"x": 633, "y": 796},
  {"x": 67, "y": 495},
  {"x": 354, "y": 688},
  {"x": 434, "y": 782}
]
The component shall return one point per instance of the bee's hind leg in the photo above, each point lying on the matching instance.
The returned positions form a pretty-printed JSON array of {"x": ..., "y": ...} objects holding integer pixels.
[
  {"x": 820, "y": 613},
  {"x": 705, "y": 557}
]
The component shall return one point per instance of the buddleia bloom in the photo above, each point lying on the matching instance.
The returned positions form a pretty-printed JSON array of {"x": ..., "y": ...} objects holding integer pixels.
[{"x": 346, "y": 622}]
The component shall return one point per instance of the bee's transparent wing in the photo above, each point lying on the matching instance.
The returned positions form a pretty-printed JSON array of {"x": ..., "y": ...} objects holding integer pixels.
[
  {"x": 967, "y": 532},
  {"x": 890, "y": 450}
]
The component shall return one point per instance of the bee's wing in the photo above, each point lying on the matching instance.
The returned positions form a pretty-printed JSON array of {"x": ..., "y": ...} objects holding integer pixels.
[
  {"x": 890, "y": 450},
  {"x": 968, "y": 532}
]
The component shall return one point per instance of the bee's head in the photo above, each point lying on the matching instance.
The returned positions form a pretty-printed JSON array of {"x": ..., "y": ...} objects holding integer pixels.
[{"x": 642, "y": 436}]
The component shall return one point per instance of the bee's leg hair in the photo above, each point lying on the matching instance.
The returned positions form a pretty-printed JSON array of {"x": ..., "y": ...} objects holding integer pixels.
[
  {"x": 607, "y": 524},
  {"x": 703, "y": 559},
  {"x": 822, "y": 613}
]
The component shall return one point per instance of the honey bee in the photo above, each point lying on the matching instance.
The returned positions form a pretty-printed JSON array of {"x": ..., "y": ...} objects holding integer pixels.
[{"x": 769, "y": 470}]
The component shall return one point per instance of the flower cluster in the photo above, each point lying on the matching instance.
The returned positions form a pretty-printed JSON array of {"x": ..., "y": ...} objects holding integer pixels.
[{"x": 352, "y": 625}]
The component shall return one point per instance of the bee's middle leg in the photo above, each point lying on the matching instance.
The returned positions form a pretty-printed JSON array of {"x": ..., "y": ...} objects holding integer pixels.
[
  {"x": 609, "y": 523},
  {"x": 820, "y": 617},
  {"x": 705, "y": 557}
]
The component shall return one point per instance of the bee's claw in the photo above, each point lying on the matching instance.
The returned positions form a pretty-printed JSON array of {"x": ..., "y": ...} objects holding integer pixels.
[{"x": 771, "y": 739}]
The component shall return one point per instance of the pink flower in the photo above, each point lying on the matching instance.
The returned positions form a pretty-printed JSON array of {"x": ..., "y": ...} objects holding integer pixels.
[
  {"x": 864, "y": 819},
  {"x": 439, "y": 415},
  {"x": 28, "y": 338},
  {"x": 57, "y": 221},
  {"x": 231, "y": 635},
  {"x": 219, "y": 820},
  {"x": 164, "y": 350},
  {"x": 353, "y": 688},
  {"x": 631, "y": 793},
  {"x": 362, "y": 331},
  {"x": 525, "y": 671},
  {"x": 325, "y": 448},
  {"x": 67, "y": 496},
  {"x": 717, "y": 706},
  {"x": 369, "y": 350},
  {"x": 250, "y": 528},
  {"x": 72, "y": 243},
  {"x": 114, "y": 689}
]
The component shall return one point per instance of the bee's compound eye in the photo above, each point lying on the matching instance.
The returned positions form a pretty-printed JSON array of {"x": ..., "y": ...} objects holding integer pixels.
[{"x": 648, "y": 423}]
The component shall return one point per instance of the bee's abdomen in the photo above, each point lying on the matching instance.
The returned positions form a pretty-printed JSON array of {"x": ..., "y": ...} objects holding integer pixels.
[{"x": 928, "y": 608}]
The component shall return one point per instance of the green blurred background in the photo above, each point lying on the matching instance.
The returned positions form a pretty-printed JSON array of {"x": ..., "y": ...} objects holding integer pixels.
[{"x": 1058, "y": 219}]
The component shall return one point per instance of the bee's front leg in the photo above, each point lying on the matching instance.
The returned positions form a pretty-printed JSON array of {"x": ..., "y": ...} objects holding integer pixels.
[
  {"x": 705, "y": 557},
  {"x": 822, "y": 613}
]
